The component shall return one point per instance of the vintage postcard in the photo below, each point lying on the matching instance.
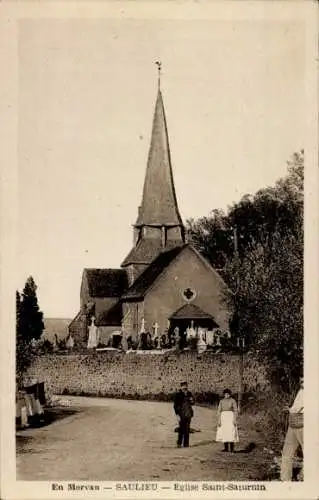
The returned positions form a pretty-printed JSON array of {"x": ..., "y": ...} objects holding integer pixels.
[{"x": 159, "y": 223}]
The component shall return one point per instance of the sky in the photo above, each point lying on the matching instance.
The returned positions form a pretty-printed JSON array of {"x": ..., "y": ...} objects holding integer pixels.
[{"x": 234, "y": 96}]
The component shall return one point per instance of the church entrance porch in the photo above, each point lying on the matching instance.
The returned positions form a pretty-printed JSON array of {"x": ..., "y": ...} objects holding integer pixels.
[{"x": 189, "y": 323}]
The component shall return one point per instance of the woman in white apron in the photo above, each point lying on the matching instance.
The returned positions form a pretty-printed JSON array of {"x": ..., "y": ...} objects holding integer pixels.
[{"x": 227, "y": 432}]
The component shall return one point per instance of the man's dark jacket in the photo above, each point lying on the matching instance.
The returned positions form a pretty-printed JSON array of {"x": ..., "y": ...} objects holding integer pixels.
[{"x": 183, "y": 404}]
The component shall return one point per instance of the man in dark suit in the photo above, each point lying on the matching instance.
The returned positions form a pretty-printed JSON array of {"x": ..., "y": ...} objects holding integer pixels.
[{"x": 183, "y": 403}]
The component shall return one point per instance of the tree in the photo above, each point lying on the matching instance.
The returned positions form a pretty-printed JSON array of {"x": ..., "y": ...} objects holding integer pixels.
[
  {"x": 30, "y": 317},
  {"x": 272, "y": 210},
  {"x": 22, "y": 346},
  {"x": 269, "y": 305},
  {"x": 213, "y": 237},
  {"x": 18, "y": 308},
  {"x": 266, "y": 276}
]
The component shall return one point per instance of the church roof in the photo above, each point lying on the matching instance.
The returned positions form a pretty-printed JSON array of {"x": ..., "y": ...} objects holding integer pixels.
[
  {"x": 146, "y": 250},
  {"x": 159, "y": 204},
  {"x": 106, "y": 282},
  {"x": 151, "y": 273},
  {"x": 111, "y": 317},
  {"x": 191, "y": 311}
]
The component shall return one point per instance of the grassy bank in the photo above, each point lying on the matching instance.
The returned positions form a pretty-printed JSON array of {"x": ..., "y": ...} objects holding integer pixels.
[{"x": 265, "y": 414}]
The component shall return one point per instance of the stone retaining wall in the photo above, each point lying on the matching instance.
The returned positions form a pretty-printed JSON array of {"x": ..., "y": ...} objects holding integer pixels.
[{"x": 145, "y": 376}]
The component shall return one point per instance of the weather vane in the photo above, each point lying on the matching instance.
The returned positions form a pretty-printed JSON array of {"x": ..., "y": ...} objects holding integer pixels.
[{"x": 159, "y": 68}]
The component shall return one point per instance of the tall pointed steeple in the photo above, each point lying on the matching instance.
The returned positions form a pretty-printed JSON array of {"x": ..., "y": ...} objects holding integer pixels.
[
  {"x": 159, "y": 226},
  {"x": 159, "y": 204}
]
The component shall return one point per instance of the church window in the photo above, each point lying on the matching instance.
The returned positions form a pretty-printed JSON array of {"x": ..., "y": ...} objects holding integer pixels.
[{"x": 189, "y": 294}]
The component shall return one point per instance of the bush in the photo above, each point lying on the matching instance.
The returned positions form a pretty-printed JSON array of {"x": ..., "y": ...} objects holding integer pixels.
[
  {"x": 265, "y": 412},
  {"x": 45, "y": 347}
]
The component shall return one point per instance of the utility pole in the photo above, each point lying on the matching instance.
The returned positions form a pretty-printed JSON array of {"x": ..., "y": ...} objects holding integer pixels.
[
  {"x": 240, "y": 340},
  {"x": 241, "y": 371}
]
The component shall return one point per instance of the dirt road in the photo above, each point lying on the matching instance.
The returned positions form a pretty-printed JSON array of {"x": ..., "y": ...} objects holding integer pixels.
[{"x": 108, "y": 439}]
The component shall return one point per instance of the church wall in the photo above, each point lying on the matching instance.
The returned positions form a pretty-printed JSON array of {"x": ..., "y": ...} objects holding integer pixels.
[
  {"x": 126, "y": 321},
  {"x": 79, "y": 327},
  {"x": 130, "y": 271},
  {"x": 188, "y": 270},
  {"x": 140, "y": 316},
  {"x": 173, "y": 233},
  {"x": 84, "y": 292},
  {"x": 103, "y": 304},
  {"x": 133, "y": 272},
  {"x": 145, "y": 376},
  {"x": 152, "y": 232},
  {"x": 105, "y": 332},
  {"x": 133, "y": 313},
  {"x": 78, "y": 330}
]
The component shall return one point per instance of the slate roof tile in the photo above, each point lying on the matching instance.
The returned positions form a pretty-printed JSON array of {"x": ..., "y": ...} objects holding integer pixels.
[{"x": 106, "y": 282}]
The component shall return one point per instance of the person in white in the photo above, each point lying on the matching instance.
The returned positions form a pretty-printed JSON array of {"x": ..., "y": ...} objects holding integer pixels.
[
  {"x": 294, "y": 436},
  {"x": 227, "y": 414}
]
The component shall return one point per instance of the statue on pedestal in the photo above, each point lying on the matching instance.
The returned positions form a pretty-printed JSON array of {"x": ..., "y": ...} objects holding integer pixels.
[
  {"x": 69, "y": 342},
  {"x": 190, "y": 332},
  {"x": 201, "y": 344},
  {"x": 218, "y": 338},
  {"x": 92, "y": 340},
  {"x": 191, "y": 336}
]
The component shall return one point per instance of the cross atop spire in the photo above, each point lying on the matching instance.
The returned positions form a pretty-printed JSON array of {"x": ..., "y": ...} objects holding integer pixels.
[{"x": 159, "y": 69}]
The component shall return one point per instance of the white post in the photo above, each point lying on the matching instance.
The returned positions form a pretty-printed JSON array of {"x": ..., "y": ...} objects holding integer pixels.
[
  {"x": 156, "y": 328},
  {"x": 142, "y": 330}
]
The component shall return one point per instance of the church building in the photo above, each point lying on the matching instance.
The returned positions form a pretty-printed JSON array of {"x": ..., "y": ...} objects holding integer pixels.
[{"x": 163, "y": 282}]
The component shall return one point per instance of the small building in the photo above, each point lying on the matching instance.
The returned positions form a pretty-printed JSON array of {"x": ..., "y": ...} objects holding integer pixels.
[{"x": 164, "y": 282}]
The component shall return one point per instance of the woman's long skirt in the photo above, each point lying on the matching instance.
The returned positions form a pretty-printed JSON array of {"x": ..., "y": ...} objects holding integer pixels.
[{"x": 227, "y": 432}]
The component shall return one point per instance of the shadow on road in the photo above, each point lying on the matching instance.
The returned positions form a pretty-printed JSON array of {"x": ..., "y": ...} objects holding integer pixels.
[
  {"x": 51, "y": 415},
  {"x": 55, "y": 414},
  {"x": 250, "y": 447},
  {"x": 202, "y": 443}
]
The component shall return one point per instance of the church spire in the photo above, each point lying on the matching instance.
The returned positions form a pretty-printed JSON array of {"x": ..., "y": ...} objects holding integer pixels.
[
  {"x": 159, "y": 203},
  {"x": 159, "y": 225}
]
